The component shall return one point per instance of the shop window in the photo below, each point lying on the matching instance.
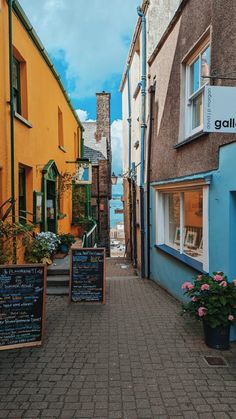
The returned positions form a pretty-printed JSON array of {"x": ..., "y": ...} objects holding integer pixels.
[
  {"x": 60, "y": 129},
  {"x": 197, "y": 71},
  {"x": 182, "y": 224},
  {"x": 22, "y": 194}
]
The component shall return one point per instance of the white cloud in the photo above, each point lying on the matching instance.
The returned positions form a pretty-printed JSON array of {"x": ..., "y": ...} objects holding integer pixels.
[
  {"x": 117, "y": 146},
  {"x": 83, "y": 115},
  {"x": 93, "y": 36}
]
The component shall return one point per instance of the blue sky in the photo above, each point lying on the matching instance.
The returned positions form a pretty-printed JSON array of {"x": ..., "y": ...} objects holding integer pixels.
[{"x": 88, "y": 41}]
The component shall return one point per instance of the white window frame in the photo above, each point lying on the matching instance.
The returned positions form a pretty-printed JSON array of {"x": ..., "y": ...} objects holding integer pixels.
[
  {"x": 162, "y": 220},
  {"x": 189, "y": 98}
]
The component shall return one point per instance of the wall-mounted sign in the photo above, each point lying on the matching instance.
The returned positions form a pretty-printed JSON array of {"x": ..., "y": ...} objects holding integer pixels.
[
  {"x": 83, "y": 175},
  {"x": 219, "y": 109}
]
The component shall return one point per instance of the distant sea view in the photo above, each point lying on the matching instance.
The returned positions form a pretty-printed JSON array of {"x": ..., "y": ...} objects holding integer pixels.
[{"x": 116, "y": 203}]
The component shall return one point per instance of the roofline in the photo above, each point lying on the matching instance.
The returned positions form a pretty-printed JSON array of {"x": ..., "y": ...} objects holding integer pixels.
[
  {"x": 144, "y": 8},
  {"x": 168, "y": 30},
  {"x": 19, "y": 12}
]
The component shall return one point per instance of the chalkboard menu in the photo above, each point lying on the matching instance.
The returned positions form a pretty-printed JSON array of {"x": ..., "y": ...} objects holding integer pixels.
[
  {"x": 22, "y": 305},
  {"x": 87, "y": 279}
]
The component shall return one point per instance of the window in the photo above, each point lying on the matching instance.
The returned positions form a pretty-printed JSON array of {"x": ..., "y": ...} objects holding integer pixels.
[
  {"x": 16, "y": 86},
  {"x": 182, "y": 224},
  {"x": 76, "y": 145},
  {"x": 60, "y": 129},
  {"x": 22, "y": 195},
  {"x": 197, "y": 69}
]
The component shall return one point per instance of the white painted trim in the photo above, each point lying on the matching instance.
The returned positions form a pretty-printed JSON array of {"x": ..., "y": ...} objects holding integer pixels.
[
  {"x": 181, "y": 222},
  {"x": 160, "y": 234},
  {"x": 205, "y": 229}
]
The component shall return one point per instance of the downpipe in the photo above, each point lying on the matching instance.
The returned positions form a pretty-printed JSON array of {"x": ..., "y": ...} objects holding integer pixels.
[
  {"x": 12, "y": 133},
  {"x": 143, "y": 128}
]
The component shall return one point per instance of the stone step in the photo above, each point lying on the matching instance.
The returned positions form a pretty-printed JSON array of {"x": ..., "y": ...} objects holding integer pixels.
[
  {"x": 58, "y": 281},
  {"x": 57, "y": 290},
  {"x": 58, "y": 271}
]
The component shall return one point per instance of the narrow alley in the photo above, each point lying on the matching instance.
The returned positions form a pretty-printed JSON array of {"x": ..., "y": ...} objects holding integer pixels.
[{"x": 134, "y": 357}]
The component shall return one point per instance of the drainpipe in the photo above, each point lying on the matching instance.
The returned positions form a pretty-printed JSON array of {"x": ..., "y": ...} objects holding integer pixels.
[
  {"x": 129, "y": 168},
  {"x": 143, "y": 128},
  {"x": 133, "y": 186},
  {"x": 149, "y": 150},
  {"x": 12, "y": 136}
]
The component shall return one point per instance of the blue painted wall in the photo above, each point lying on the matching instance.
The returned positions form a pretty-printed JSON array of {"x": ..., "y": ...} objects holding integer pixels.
[
  {"x": 169, "y": 272},
  {"x": 222, "y": 214}
]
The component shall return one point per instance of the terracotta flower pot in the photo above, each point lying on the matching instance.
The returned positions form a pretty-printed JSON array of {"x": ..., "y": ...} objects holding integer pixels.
[{"x": 217, "y": 337}]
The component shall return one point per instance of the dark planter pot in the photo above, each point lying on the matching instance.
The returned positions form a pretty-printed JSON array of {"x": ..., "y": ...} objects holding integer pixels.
[
  {"x": 218, "y": 337},
  {"x": 64, "y": 248}
]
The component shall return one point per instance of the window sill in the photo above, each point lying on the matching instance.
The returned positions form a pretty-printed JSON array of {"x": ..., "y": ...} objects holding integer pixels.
[
  {"x": 62, "y": 148},
  {"x": 23, "y": 120},
  {"x": 199, "y": 134},
  {"x": 198, "y": 266}
]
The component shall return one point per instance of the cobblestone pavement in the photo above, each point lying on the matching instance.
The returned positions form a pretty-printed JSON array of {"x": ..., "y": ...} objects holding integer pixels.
[{"x": 135, "y": 357}]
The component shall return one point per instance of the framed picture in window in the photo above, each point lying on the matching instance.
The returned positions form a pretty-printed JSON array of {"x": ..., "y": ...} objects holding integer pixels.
[
  {"x": 38, "y": 207},
  {"x": 177, "y": 235},
  {"x": 191, "y": 238}
]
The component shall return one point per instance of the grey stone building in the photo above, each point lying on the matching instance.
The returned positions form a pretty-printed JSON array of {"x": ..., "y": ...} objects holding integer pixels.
[{"x": 97, "y": 148}]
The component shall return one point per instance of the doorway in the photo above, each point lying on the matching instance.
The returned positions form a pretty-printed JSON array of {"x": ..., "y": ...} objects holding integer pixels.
[
  {"x": 51, "y": 199},
  {"x": 50, "y": 213}
]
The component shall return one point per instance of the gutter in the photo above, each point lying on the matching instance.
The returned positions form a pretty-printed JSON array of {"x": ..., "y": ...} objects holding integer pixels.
[{"x": 20, "y": 14}]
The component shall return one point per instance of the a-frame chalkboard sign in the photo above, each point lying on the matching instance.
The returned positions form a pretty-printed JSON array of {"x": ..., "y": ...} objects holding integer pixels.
[
  {"x": 22, "y": 305},
  {"x": 88, "y": 275}
]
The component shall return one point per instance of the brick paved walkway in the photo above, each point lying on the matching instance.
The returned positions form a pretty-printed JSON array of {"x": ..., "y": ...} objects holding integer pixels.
[{"x": 133, "y": 358}]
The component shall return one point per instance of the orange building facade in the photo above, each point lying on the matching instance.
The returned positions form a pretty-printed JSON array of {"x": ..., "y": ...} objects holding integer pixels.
[{"x": 47, "y": 133}]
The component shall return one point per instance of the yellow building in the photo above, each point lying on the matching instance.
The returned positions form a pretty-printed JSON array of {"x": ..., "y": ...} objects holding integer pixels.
[{"x": 45, "y": 135}]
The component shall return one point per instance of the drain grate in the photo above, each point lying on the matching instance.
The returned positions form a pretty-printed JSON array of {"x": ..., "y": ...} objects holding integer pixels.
[{"x": 215, "y": 361}]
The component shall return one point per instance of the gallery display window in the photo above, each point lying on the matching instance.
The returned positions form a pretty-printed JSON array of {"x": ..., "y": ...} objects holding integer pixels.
[{"x": 182, "y": 222}]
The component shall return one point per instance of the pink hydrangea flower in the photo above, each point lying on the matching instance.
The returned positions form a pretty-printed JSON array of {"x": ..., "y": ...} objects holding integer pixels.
[
  {"x": 187, "y": 285},
  {"x": 231, "y": 317},
  {"x": 223, "y": 284},
  {"x": 202, "y": 311},
  {"x": 194, "y": 299},
  {"x": 205, "y": 287},
  {"x": 199, "y": 278},
  {"x": 234, "y": 282},
  {"x": 218, "y": 277}
]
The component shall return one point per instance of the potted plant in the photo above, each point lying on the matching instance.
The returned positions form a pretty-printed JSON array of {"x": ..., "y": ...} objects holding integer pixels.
[
  {"x": 213, "y": 300},
  {"x": 66, "y": 240},
  {"x": 42, "y": 248}
]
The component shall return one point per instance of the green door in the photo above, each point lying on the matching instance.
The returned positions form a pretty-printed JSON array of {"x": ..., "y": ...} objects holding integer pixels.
[
  {"x": 49, "y": 189},
  {"x": 51, "y": 206}
]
